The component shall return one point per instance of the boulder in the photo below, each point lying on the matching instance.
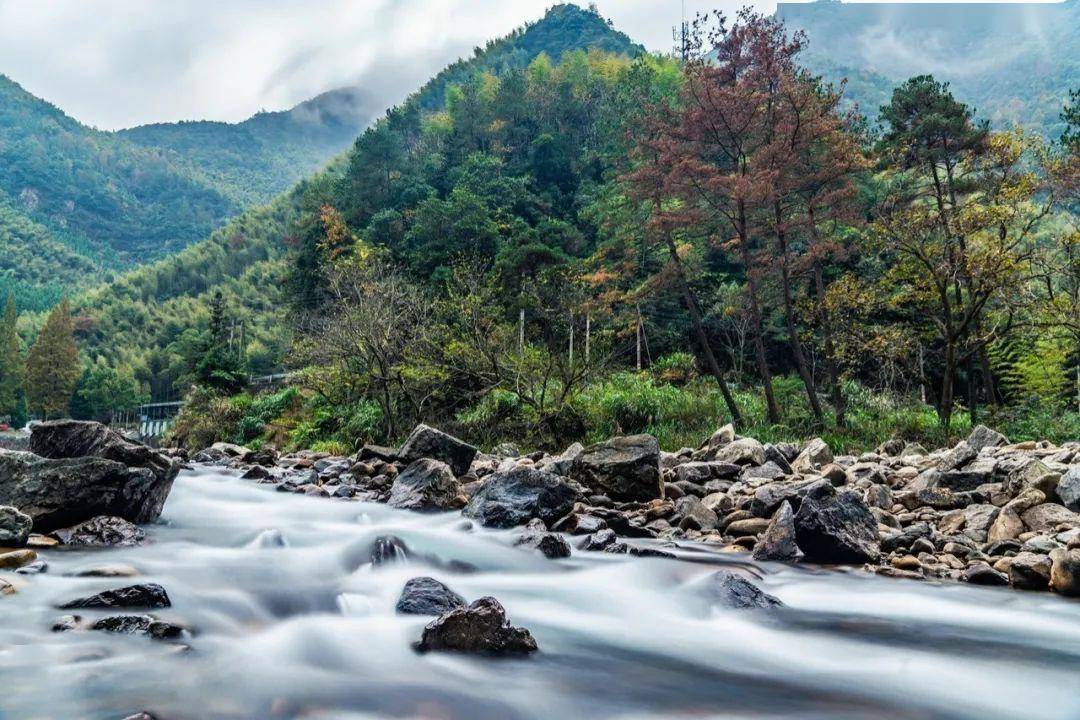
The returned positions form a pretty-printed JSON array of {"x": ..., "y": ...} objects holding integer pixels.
[
  {"x": 561, "y": 464},
  {"x": 975, "y": 473},
  {"x": 58, "y": 493},
  {"x": 623, "y": 468},
  {"x": 958, "y": 457},
  {"x": 550, "y": 544},
  {"x": 427, "y": 596},
  {"x": 15, "y": 526},
  {"x": 744, "y": 451},
  {"x": 599, "y": 540},
  {"x": 1068, "y": 489},
  {"x": 778, "y": 542},
  {"x": 427, "y": 442},
  {"x": 1065, "y": 572},
  {"x": 833, "y": 527},
  {"x": 64, "y": 439},
  {"x": 692, "y": 514},
  {"x": 426, "y": 484},
  {"x": 735, "y": 592},
  {"x": 980, "y": 573},
  {"x": 16, "y": 559},
  {"x": 1048, "y": 516},
  {"x": 1006, "y": 526},
  {"x": 816, "y": 454},
  {"x": 482, "y": 627},
  {"x": 146, "y": 625},
  {"x": 983, "y": 437},
  {"x": 1029, "y": 571},
  {"x": 146, "y": 595},
  {"x": 514, "y": 497},
  {"x": 102, "y": 531}
]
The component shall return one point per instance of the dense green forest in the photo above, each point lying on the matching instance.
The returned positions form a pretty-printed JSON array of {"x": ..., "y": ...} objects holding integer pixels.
[
  {"x": 78, "y": 205},
  {"x": 1009, "y": 61},
  {"x": 542, "y": 247}
]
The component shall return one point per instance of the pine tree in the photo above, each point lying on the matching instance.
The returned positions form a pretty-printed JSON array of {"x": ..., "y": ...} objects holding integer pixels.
[
  {"x": 11, "y": 364},
  {"x": 52, "y": 365}
]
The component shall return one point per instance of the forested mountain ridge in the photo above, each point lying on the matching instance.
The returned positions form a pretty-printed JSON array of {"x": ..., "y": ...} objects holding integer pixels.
[
  {"x": 1013, "y": 62},
  {"x": 100, "y": 202},
  {"x": 140, "y": 318}
]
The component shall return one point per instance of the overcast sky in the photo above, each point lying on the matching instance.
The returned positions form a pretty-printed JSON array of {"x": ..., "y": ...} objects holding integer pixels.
[{"x": 119, "y": 63}]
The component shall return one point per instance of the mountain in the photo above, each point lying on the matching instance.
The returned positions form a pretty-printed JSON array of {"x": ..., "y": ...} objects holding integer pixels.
[
  {"x": 1013, "y": 62},
  {"x": 254, "y": 160},
  {"x": 138, "y": 317},
  {"x": 77, "y": 204}
]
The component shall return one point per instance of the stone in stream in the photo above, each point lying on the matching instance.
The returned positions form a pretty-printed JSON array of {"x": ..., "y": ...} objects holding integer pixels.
[
  {"x": 427, "y": 442},
  {"x": 388, "y": 549},
  {"x": 514, "y": 497},
  {"x": 833, "y": 527},
  {"x": 16, "y": 559},
  {"x": 734, "y": 592},
  {"x": 599, "y": 540},
  {"x": 82, "y": 470},
  {"x": 624, "y": 469},
  {"x": 482, "y": 627},
  {"x": 15, "y": 526},
  {"x": 778, "y": 542},
  {"x": 537, "y": 537},
  {"x": 1065, "y": 571},
  {"x": 425, "y": 484},
  {"x": 1068, "y": 489},
  {"x": 1029, "y": 571},
  {"x": 146, "y": 625},
  {"x": 692, "y": 514},
  {"x": 102, "y": 531},
  {"x": 145, "y": 595},
  {"x": 980, "y": 573},
  {"x": 427, "y": 596}
]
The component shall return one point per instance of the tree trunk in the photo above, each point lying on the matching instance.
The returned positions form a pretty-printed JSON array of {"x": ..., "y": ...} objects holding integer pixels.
[
  {"x": 839, "y": 407},
  {"x": 789, "y": 318},
  {"x": 946, "y": 407},
  {"x": 771, "y": 407},
  {"x": 699, "y": 331}
]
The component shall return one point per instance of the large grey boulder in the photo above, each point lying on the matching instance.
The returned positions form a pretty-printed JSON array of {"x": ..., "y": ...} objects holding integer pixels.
[
  {"x": 983, "y": 437},
  {"x": 1068, "y": 489},
  {"x": 516, "y": 496},
  {"x": 833, "y": 527},
  {"x": 427, "y": 596},
  {"x": 481, "y": 627},
  {"x": 778, "y": 542},
  {"x": 15, "y": 527},
  {"x": 623, "y": 468},
  {"x": 76, "y": 438},
  {"x": 61, "y": 493},
  {"x": 734, "y": 592},
  {"x": 428, "y": 442},
  {"x": 425, "y": 484}
]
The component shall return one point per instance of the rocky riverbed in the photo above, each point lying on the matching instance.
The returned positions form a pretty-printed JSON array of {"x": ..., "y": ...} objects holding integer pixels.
[{"x": 611, "y": 581}]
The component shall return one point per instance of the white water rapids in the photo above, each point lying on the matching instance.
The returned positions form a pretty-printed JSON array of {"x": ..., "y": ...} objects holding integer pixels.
[{"x": 290, "y": 620}]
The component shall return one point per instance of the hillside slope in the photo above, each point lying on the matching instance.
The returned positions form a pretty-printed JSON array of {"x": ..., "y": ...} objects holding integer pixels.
[
  {"x": 149, "y": 308},
  {"x": 1013, "y": 62}
]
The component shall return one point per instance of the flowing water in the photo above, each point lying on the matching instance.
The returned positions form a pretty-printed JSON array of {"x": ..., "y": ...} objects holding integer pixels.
[{"x": 291, "y": 620}]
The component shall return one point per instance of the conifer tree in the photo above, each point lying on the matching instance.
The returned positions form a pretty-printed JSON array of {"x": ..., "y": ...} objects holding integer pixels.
[
  {"x": 11, "y": 364},
  {"x": 52, "y": 365}
]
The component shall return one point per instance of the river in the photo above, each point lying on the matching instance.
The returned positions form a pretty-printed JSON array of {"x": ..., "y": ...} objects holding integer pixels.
[{"x": 290, "y": 620}]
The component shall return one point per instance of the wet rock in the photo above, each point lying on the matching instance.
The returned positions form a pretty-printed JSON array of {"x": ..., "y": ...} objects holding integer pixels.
[
  {"x": 815, "y": 455},
  {"x": 1048, "y": 516},
  {"x": 537, "y": 537},
  {"x": 482, "y": 627},
  {"x": 979, "y": 573},
  {"x": 428, "y": 442},
  {"x": 1029, "y": 571},
  {"x": 145, "y": 595},
  {"x": 976, "y": 473},
  {"x": 833, "y": 527},
  {"x": 578, "y": 523},
  {"x": 426, "y": 484},
  {"x": 620, "y": 548},
  {"x": 734, "y": 592},
  {"x": 1065, "y": 572},
  {"x": 1068, "y": 489},
  {"x": 692, "y": 514},
  {"x": 102, "y": 531},
  {"x": 516, "y": 496},
  {"x": 6, "y": 588},
  {"x": 15, "y": 527},
  {"x": 256, "y": 472},
  {"x": 778, "y": 542},
  {"x": 743, "y": 451},
  {"x": 35, "y": 568},
  {"x": 388, "y": 549},
  {"x": 64, "y": 439},
  {"x": 983, "y": 437},
  {"x": 110, "y": 570},
  {"x": 146, "y": 625},
  {"x": 427, "y": 596},
  {"x": 599, "y": 540},
  {"x": 623, "y": 468},
  {"x": 16, "y": 559}
]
